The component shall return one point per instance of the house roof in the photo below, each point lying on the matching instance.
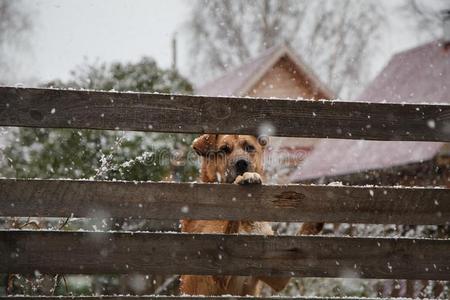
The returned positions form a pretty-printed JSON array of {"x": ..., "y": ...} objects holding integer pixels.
[
  {"x": 418, "y": 75},
  {"x": 239, "y": 81}
]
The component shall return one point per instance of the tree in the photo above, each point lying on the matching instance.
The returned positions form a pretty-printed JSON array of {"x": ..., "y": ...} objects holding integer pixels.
[
  {"x": 45, "y": 153},
  {"x": 15, "y": 23},
  {"x": 335, "y": 37},
  {"x": 426, "y": 16},
  {"x": 143, "y": 76}
]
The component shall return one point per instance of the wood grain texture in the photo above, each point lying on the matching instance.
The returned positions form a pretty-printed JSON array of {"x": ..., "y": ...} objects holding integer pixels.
[
  {"x": 163, "y": 200},
  {"x": 148, "y": 297},
  {"x": 172, "y": 253},
  {"x": 52, "y": 108}
]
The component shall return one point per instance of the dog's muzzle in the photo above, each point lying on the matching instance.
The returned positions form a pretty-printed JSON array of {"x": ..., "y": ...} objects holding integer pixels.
[{"x": 242, "y": 166}]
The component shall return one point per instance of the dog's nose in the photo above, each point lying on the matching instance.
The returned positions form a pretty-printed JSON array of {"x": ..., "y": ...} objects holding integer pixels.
[{"x": 241, "y": 166}]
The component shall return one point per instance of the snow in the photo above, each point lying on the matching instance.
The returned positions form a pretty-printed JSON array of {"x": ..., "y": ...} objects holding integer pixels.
[
  {"x": 378, "y": 240},
  {"x": 328, "y": 102},
  {"x": 266, "y": 129},
  {"x": 431, "y": 124}
]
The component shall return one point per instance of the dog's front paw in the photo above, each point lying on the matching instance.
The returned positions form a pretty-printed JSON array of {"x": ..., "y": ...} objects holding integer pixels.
[{"x": 248, "y": 178}]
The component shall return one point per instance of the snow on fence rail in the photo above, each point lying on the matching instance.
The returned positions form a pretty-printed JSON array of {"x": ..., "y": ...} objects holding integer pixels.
[
  {"x": 164, "y": 200},
  {"x": 126, "y": 252},
  {"x": 54, "y": 108},
  {"x": 210, "y": 254},
  {"x": 162, "y": 297}
]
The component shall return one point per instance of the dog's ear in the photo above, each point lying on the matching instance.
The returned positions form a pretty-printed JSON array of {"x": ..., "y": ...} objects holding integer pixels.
[
  {"x": 263, "y": 140},
  {"x": 205, "y": 144}
]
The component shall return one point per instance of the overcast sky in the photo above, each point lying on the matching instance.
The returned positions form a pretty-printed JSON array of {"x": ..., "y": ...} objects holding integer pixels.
[{"x": 67, "y": 32}]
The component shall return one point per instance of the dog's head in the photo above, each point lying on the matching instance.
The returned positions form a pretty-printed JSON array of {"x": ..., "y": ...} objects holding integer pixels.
[{"x": 227, "y": 156}]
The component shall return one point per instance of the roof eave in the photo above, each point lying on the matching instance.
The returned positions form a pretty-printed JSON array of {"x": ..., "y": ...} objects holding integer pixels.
[{"x": 285, "y": 50}]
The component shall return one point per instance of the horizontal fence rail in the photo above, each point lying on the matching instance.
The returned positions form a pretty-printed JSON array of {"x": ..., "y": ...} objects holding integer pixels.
[
  {"x": 185, "y": 297},
  {"x": 52, "y": 108},
  {"x": 163, "y": 297},
  {"x": 160, "y": 200},
  {"x": 207, "y": 254}
]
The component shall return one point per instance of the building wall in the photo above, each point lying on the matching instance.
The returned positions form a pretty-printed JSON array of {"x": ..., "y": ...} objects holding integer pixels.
[{"x": 284, "y": 80}]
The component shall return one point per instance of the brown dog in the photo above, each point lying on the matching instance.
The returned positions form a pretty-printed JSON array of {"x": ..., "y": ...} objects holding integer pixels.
[{"x": 229, "y": 159}]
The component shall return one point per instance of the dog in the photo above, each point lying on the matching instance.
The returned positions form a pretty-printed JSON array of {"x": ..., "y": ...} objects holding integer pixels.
[{"x": 234, "y": 159}]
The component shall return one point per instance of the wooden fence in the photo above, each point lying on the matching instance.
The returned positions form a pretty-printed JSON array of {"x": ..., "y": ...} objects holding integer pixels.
[{"x": 68, "y": 252}]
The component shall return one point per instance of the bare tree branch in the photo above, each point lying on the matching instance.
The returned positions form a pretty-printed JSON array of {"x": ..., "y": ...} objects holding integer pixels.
[
  {"x": 334, "y": 37},
  {"x": 15, "y": 23},
  {"x": 426, "y": 16}
]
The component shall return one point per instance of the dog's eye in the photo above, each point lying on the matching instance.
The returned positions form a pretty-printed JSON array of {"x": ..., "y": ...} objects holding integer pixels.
[
  {"x": 225, "y": 149},
  {"x": 249, "y": 148}
]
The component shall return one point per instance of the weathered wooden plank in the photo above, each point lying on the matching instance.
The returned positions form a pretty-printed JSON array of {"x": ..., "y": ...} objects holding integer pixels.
[
  {"x": 196, "y": 114},
  {"x": 186, "y": 297},
  {"x": 163, "y": 200},
  {"x": 159, "y": 253},
  {"x": 128, "y": 297}
]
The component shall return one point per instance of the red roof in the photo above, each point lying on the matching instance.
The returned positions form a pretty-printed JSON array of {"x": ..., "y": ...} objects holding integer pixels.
[
  {"x": 418, "y": 75},
  {"x": 239, "y": 81},
  {"x": 230, "y": 83}
]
